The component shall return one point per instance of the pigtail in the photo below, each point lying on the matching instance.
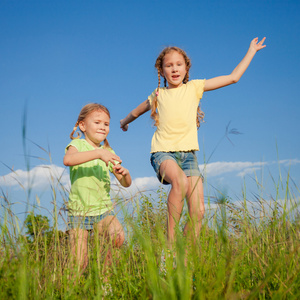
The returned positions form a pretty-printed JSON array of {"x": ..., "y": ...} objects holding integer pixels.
[
  {"x": 72, "y": 137},
  {"x": 200, "y": 117},
  {"x": 106, "y": 144},
  {"x": 154, "y": 114}
]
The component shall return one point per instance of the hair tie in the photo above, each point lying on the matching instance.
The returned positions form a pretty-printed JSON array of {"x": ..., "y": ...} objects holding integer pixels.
[{"x": 156, "y": 93}]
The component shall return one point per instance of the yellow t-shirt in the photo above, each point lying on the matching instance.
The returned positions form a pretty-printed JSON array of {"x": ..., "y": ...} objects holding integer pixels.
[{"x": 177, "y": 113}]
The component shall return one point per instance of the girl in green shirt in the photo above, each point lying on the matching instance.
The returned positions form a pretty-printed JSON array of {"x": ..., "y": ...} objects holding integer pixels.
[{"x": 89, "y": 205}]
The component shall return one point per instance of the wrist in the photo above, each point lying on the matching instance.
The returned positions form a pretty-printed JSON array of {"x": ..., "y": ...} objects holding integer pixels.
[{"x": 99, "y": 153}]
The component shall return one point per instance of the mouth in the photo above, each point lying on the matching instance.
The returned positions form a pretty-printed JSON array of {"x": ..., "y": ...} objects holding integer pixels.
[{"x": 175, "y": 76}]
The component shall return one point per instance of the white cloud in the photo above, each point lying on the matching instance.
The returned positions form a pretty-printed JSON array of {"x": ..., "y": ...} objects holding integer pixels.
[
  {"x": 289, "y": 162},
  {"x": 39, "y": 177},
  {"x": 43, "y": 176},
  {"x": 139, "y": 185},
  {"x": 219, "y": 168}
]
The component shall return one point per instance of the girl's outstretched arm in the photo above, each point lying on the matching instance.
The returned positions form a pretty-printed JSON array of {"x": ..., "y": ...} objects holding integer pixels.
[
  {"x": 73, "y": 157},
  {"x": 122, "y": 175},
  {"x": 134, "y": 114},
  {"x": 221, "y": 81}
]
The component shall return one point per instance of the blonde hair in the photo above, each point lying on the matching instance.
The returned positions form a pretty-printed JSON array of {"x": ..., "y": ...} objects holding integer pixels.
[
  {"x": 85, "y": 111},
  {"x": 159, "y": 67}
]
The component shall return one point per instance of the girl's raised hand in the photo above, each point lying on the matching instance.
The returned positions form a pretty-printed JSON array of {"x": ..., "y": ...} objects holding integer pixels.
[
  {"x": 108, "y": 156},
  {"x": 255, "y": 45}
]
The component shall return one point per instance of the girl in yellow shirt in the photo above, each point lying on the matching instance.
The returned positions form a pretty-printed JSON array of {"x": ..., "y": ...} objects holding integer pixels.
[{"x": 176, "y": 112}]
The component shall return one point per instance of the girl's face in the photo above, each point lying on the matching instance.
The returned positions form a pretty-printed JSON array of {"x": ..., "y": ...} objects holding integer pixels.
[
  {"x": 174, "y": 69},
  {"x": 95, "y": 127}
]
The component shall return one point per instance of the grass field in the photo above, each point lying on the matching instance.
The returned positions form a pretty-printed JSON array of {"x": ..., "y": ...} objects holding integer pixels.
[{"x": 246, "y": 250}]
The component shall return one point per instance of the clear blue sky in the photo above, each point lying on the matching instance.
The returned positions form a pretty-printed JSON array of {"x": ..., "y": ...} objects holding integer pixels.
[{"x": 56, "y": 56}]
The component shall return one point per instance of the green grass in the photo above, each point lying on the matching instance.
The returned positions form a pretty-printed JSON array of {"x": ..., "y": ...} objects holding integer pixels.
[{"x": 246, "y": 250}]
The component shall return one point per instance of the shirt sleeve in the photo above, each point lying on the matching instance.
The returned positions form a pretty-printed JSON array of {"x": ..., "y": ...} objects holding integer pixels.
[
  {"x": 151, "y": 97},
  {"x": 199, "y": 85},
  {"x": 75, "y": 143}
]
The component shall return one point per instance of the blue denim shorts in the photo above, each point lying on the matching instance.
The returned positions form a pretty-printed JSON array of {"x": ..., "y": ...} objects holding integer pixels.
[
  {"x": 86, "y": 222},
  {"x": 187, "y": 161}
]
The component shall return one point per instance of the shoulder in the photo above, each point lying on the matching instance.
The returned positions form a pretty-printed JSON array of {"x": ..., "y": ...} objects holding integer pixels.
[
  {"x": 196, "y": 83},
  {"x": 161, "y": 90},
  {"x": 198, "y": 86},
  {"x": 79, "y": 144}
]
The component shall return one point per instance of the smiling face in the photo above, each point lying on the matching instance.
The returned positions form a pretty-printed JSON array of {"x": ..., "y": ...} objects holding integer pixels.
[
  {"x": 95, "y": 127},
  {"x": 174, "y": 69}
]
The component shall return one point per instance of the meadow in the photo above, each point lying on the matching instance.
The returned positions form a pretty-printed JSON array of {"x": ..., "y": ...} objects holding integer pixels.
[{"x": 246, "y": 250}]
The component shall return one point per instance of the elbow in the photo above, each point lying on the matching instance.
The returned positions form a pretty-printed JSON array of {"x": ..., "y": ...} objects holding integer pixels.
[
  {"x": 234, "y": 78},
  {"x": 67, "y": 162},
  {"x": 127, "y": 184}
]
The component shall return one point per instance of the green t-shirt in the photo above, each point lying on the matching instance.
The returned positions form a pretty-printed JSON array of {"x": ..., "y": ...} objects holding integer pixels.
[{"x": 90, "y": 184}]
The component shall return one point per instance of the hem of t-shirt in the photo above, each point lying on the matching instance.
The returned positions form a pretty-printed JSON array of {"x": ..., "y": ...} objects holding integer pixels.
[
  {"x": 93, "y": 214},
  {"x": 166, "y": 151}
]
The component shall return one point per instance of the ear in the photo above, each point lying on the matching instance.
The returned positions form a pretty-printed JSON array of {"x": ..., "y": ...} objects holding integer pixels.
[{"x": 81, "y": 126}]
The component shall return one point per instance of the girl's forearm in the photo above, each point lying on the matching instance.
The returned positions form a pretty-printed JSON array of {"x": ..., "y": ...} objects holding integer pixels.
[
  {"x": 128, "y": 119},
  {"x": 135, "y": 113},
  {"x": 240, "y": 69},
  {"x": 236, "y": 74},
  {"x": 78, "y": 158},
  {"x": 126, "y": 180}
]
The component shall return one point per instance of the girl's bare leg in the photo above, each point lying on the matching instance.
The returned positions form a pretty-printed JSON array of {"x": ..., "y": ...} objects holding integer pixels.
[
  {"x": 111, "y": 231},
  {"x": 79, "y": 248},
  {"x": 172, "y": 173},
  {"x": 195, "y": 201}
]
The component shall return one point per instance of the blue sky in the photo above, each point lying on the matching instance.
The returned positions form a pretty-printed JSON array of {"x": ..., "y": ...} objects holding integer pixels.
[{"x": 56, "y": 56}]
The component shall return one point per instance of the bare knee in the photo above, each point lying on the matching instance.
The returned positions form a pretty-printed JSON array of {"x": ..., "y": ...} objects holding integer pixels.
[
  {"x": 116, "y": 235},
  {"x": 113, "y": 231},
  {"x": 180, "y": 185}
]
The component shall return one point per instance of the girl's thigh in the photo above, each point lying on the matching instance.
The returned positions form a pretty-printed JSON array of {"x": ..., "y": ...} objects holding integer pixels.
[
  {"x": 78, "y": 240},
  {"x": 171, "y": 172}
]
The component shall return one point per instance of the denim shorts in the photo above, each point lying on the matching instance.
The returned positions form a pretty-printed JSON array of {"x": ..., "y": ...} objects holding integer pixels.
[
  {"x": 186, "y": 160},
  {"x": 86, "y": 222}
]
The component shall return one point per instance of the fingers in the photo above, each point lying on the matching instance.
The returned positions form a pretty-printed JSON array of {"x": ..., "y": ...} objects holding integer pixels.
[
  {"x": 261, "y": 43},
  {"x": 263, "y": 39},
  {"x": 257, "y": 45},
  {"x": 115, "y": 160},
  {"x": 123, "y": 127},
  {"x": 119, "y": 169}
]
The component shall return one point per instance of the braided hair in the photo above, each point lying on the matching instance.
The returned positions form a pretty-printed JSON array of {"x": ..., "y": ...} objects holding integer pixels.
[
  {"x": 85, "y": 111},
  {"x": 159, "y": 67}
]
